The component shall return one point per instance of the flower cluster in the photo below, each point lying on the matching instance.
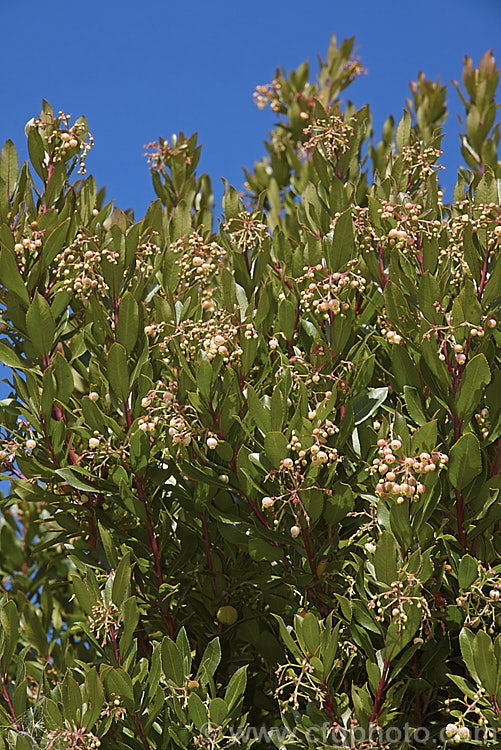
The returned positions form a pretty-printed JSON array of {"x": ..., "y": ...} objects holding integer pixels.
[
  {"x": 267, "y": 94},
  {"x": 105, "y": 617},
  {"x": 325, "y": 293},
  {"x": 198, "y": 261},
  {"x": 113, "y": 708},
  {"x": 398, "y": 473},
  {"x": 163, "y": 406},
  {"x": 483, "y": 220},
  {"x": 483, "y": 422},
  {"x": 420, "y": 160},
  {"x": 481, "y": 602},
  {"x": 394, "y": 603},
  {"x": 218, "y": 336},
  {"x": 72, "y": 739},
  {"x": 246, "y": 230},
  {"x": 78, "y": 267},
  {"x": 318, "y": 453},
  {"x": 160, "y": 152},
  {"x": 331, "y": 136},
  {"x": 145, "y": 255},
  {"x": 402, "y": 226},
  {"x": 297, "y": 682},
  {"x": 68, "y": 141}
]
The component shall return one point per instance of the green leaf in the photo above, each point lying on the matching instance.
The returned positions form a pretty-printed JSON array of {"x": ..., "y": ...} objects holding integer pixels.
[
  {"x": 403, "y": 131},
  {"x": 475, "y": 377},
  {"x": 77, "y": 478},
  {"x": 204, "y": 378},
  {"x": 259, "y": 549},
  {"x": 172, "y": 662},
  {"x": 275, "y": 446},
  {"x": 121, "y": 580},
  {"x": 467, "y": 571},
  {"x": 118, "y": 681},
  {"x": 466, "y": 639},
  {"x": 40, "y": 325},
  {"x": 209, "y": 662},
  {"x": 130, "y": 616},
  {"x": 465, "y": 461},
  {"x": 311, "y": 632},
  {"x": 385, "y": 558},
  {"x": 339, "y": 504},
  {"x": 369, "y": 403},
  {"x": 414, "y": 404},
  {"x": 236, "y": 688},
  {"x": 11, "y": 278},
  {"x": 71, "y": 698},
  {"x": 64, "y": 377},
  {"x": 485, "y": 661},
  {"x": 9, "y": 357},
  {"x": 259, "y": 414},
  {"x": 85, "y": 599},
  {"x": 109, "y": 545},
  {"x": 95, "y": 693},
  {"x": 9, "y": 166},
  {"x": 425, "y": 438},
  {"x": 128, "y": 322},
  {"x": 118, "y": 372},
  {"x": 9, "y": 632},
  {"x": 197, "y": 712},
  {"x": 218, "y": 711},
  {"x": 343, "y": 242}
]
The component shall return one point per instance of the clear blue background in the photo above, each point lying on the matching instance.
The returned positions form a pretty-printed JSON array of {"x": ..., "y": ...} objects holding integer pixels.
[{"x": 139, "y": 70}]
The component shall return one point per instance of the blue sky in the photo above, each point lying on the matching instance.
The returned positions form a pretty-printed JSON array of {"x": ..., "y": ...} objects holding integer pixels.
[{"x": 139, "y": 70}]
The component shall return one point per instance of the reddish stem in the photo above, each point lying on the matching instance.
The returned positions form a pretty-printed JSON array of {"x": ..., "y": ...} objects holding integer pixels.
[
  {"x": 384, "y": 280},
  {"x": 380, "y": 691},
  {"x": 113, "y": 639},
  {"x": 307, "y": 547},
  {"x": 9, "y": 702},
  {"x": 138, "y": 481},
  {"x": 483, "y": 275},
  {"x": 460, "y": 519},
  {"x": 208, "y": 554},
  {"x": 141, "y": 733}
]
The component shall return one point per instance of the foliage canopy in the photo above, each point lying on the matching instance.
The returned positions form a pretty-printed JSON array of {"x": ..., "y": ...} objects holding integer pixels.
[{"x": 255, "y": 470}]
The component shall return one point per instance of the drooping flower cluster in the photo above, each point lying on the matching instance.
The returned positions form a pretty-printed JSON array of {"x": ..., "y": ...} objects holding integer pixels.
[
  {"x": 163, "y": 409},
  {"x": 72, "y": 739},
  {"x": 318, "y": 453},
  {"x": 331, "y": 136},
  {"x": 481, "y": 601},
  {"x": 78, "y": 266},
  {"x": 399, "y": 226},
  {"x": 160, "y": 152},
  {"x": 218, "y": 336},
  {"x": 267, "y": 94},
  {"x": 399, "y": 474},
  {"x": 105, "y": 617},
  {"x": 420, "y": 161},
  {"x": 394, "y": 602},
  {"x": 198, "y": 260},
  {"x": 246, "y": 230},
  {"x": 326, "y": 293}
]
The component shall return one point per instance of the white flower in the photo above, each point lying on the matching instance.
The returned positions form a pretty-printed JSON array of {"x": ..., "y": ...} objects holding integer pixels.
[
  {"x": 211, "y": 442},
  {"x": 30, "y": 444},
  {"x": 295, "y": 531},
  {"x": 93, "y": 442}
]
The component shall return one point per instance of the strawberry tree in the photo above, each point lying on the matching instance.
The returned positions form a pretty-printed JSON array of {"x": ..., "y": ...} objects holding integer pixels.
[{"x": 254, "y": 467}]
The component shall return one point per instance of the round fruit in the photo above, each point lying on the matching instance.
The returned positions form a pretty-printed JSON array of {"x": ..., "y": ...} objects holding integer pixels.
[{"x": 227, "y": 615}]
